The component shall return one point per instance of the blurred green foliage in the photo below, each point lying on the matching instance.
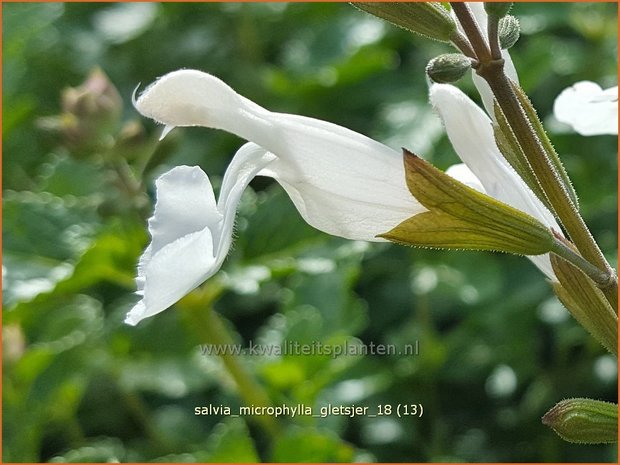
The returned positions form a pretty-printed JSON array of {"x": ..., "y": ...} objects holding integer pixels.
[{"x": 496, "y": 350}]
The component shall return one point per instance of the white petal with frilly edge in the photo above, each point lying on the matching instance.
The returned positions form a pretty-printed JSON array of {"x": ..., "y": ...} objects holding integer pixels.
[{"x": 191, "y": 234}]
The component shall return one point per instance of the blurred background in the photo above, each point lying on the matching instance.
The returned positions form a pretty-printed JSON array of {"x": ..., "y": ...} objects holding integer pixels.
[{"x": 496, "y": 349}]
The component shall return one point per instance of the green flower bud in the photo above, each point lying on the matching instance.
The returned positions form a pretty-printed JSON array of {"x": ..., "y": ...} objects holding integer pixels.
[
  {"x": 509, "y": 31},
  {"x": 584, "y": 421},
  {"x": 449, "y": 67},
  {"x": 429, "y": 19},
  {"x": 497, "y": 9}
]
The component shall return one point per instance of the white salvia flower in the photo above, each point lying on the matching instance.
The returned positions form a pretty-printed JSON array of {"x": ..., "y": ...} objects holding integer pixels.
[
  {"x": 588, "y": 109},
  {"x": 471, "y": 133},
  {"x": 342, "y": 183}
]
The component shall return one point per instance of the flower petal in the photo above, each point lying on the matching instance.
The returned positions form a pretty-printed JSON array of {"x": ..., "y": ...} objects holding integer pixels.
[
  {"x": 316, "y": 160},
  {"x": 172, "y": 272},
  {"x": 244, "y": 166},
  {"x": 471, "y": 134},
  {"x": 191, "y": 234},
  {"x": 185, "y": 204},
  {"x": 185, "y": 208},
  {"x": 462, "y": 173},
  {"x": 589, "y": 109}
]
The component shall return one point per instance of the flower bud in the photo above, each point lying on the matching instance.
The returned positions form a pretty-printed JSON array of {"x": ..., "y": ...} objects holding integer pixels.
[
  {"x": 509, "y": 31},
  {"x": 95, "y": 98},
  {"x": 449, "y": 67},
  {"x": 497, "y": 9},
  {"x": 429, "y": 19},
  {"x": 91, "y": 114},
  {"x": 584, "y": 421}
]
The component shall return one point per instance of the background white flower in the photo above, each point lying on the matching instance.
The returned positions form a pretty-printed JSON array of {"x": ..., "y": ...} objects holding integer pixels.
[{"x": 588, "y": 109}]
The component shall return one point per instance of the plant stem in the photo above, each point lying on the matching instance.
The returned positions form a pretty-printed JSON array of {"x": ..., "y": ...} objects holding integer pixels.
[
  {"x": 472, "y": 31},
  {"x": 492, "y": 70},
  {"x": 212, "y": 330},
  {"x": 549, "y": 179},
  {"x": 461, "y": 42},
  {"x": 493, "y": 33},
  {"x": 601, "y": 278}
]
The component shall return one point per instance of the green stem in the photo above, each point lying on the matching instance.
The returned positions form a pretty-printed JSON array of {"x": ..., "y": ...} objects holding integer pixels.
[
  {"x": 492, "y": 70},
  {"x": 472, "y": 31},
  {"x": 601, "y": 278},
  {"x": 461, "y": 42},
  {"x": 141, "y": 414},
  {"x": 548, "y": 177},
  {"x": 493, "y": 32},
  {"x": 212, "y": 330}
]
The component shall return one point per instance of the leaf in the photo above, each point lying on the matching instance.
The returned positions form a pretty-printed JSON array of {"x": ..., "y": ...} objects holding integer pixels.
[
  {"x": 513, "y": 153},
  {"x": 462, "y": 218},
  {"x": 440, "y": 231},
  {"x": 42, "y": 235},
  {"x": 310, "y": 445},
  {"x": 271, "y": 226},
  {"x": 553, "y": 156},
  {"x": 586, "y": 303},
  {"x": 232, "y": 443},
  {"x": 429, "y": 19}
]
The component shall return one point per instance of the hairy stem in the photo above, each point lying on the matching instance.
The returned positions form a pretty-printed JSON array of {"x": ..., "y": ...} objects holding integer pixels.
[
  {"x": 492, "y": 70},
  {"x": 472, "y": 31},
  {"x": 493, "y": 33}
]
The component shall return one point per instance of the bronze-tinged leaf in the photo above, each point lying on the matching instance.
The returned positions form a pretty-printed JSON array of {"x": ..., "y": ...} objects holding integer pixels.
[
  {"x": 456, "y": 209},
  {"x": 538, "y": 127},
  {"x": 586, "y": 302},
  {"x": 508, "y": 145},
  {"x": 441, "y": 231}
]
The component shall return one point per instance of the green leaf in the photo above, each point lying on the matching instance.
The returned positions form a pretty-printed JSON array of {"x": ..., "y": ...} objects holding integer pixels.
[
  {"x": 586, "y": 303},
  {"x": 513, "y": 153},
  {"x": 269, "y": 224},
  {"x": 584, "y": 421},
  {"x": 97, "y": 450},
  {"x": 462, "y": 218},
  {"x": 429, "y": 19},
  {"x": 437, "y": 230},
  {"x": 553, "y": 156},
  {"x": 232, "y": 443},
  {"x": 42, "y": 235}
]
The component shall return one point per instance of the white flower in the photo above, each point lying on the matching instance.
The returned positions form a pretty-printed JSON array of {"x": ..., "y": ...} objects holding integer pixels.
[
  {"x": 342, "y": 183},
  {"x": 588, "y": 109},
  {"x": 471, "y": 133}
]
